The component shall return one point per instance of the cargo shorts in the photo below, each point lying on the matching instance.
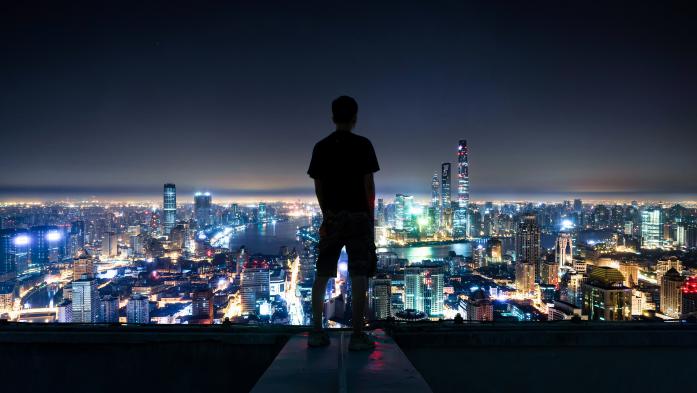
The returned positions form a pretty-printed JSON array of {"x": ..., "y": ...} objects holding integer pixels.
[{"x": 354, "y": 231}]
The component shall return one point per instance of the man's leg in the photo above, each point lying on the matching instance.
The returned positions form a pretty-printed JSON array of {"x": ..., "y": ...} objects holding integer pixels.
[
  {"x": 359, "y": 288},
  {"x": 319, "y": 288}
]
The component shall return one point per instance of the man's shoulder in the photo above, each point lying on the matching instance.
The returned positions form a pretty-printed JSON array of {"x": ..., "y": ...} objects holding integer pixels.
[
  {"x": 362, "y": 140},
  {"x": 350, "y": 137}
]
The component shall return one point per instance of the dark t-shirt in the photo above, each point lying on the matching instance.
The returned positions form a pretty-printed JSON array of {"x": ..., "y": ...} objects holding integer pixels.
[{"x": 340, "y": 161}]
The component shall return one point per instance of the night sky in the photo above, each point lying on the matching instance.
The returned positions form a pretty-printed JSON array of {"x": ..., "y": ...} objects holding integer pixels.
[{"x": 588, "y": 100}]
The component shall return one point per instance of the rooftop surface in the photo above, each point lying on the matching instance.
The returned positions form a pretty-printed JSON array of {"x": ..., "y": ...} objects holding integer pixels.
[{"x": 423, "y": 357}]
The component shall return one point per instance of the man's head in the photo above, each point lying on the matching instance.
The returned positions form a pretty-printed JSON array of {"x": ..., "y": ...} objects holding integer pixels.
[{"x": 344, "y": 111}]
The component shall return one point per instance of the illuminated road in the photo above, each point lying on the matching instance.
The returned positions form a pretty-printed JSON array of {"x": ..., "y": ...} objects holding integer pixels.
[{"x": 294, "y": 302}]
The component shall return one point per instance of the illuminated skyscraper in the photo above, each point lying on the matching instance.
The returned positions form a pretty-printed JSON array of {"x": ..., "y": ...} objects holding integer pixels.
[
  {"x": 110, "y": 247},
  {"x": 445, "y": 196},
  {"x": 689, "y": 297},
  {"x": 494, "y": 250},
  {"x": 433, "y": 281},
  {"x": 261, "y": 212},
  {"x": 479, "y": 307},
  {"x": 528, "y": 242},
  {"x": 563, "y": 253},
  {"x": 255, "y": 287},
  {"x": 605, "y": 298},
  {"x": 651, "y": 228},
  {"x": 460, "y": 219},
  {"x": 435, "y": 194},
  {"x": 47, "y": 244},
  {"x": 380, "y": 295},
  {"x": 202, "y": 307},
  {"x": 77, "y": 237},
  {"x": 413, "y": 289},
  {"x": 549, "y": 273},
  {"x": 202, "y": 209},
  {"x": 423, "y": 288},
  {"x": 399, "y": 211},
  {"x": 83, "y": 265},
  {"x": 525, "y": 277},
  {"x": 671, "y": 293},
  {"x": 138, "y": 309},
  {"x": 64, "y": 314},
  {"x": 169, "y": 205},
  {"x": 109, "y": 309},
  {"x": 85, "y": 300},
  {"x": 662, "y": 266},
  {"x": 8, "y": 267}
]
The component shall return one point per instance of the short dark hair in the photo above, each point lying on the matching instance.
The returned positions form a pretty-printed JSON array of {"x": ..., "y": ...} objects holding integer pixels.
[{"x": 344, "y": 109}]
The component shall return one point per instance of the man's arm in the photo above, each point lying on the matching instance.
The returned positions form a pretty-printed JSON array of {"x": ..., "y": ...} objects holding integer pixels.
[
  {"x": 369, "y": 186},
  {"x": 320, "y": 197}
]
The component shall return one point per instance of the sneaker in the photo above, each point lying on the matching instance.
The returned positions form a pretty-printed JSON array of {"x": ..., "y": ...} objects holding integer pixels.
[
  {"x": 318, "y": 339},
  {"x": 361, "y": 342}
]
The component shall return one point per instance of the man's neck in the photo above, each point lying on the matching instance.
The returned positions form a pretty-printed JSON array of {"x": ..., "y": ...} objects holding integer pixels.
[{"x": 344, "y": 127}]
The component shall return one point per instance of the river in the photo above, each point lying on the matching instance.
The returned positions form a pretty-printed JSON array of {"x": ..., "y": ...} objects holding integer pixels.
[{"x": 268, "y": 239}]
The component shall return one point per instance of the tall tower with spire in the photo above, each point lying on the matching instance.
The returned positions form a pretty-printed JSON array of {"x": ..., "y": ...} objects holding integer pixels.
[{"x": 461, "y": 215}]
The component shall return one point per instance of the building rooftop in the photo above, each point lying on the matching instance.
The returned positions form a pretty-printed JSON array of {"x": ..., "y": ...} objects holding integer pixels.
[{"x": 421, "y": 356}]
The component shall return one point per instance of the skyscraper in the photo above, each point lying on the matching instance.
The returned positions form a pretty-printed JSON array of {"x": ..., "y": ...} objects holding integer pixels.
[
  {"x": 64, "y": 314},
  {"x": 202, "y": 306},
  {"x": 255, "y": 287},
  {"x": 435, "y": 194},
  {"x": 413, "y": 289},
  {"x": 85, "y": 300},
  {"x": 399, "y": 211},
  {"x": 433, "y": 280},
  {"x": 47, "y": 244},
  {"x": 109, "y": 309},
  {"x": 651, "y": 228},
  {"x": 261, "y": 212},
  {"x": 445, "y": 196},
  {"x": 202, "y": 209},
  {"x": 77, "y": 237},
  {"x": 671, "y": 293},
  {"x": 379, "y": 296},
  {"x": 169, "y": 205},
  {"x": 605, "y": 297},
  {"x": 138, "y": 309},
  {"x": 423, "y": 288},
  {"x": 8, "y": 267},
  {"x": 663, "y": 265},
  {"x": 110, "y": 247},
  {"x": 563, "y": 253},
  {"x": 460, "y": 219},
  {"x": 83, "y": 265},
  {"x": 525, "y": 277},
  {"x": 528, "y": 242},
  {"x": 689, "y": 297},
  {"x": 479, "y": 307}
]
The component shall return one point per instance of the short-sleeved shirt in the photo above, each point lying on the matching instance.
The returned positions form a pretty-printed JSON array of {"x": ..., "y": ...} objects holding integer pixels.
[{"x": 341, "y": 161}]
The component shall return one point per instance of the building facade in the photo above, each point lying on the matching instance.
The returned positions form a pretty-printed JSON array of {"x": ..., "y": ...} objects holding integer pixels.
[{"x": 169, "y": 207}]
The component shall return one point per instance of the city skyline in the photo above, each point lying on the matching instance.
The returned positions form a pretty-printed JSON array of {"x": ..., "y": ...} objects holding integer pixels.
[{"x": 552, "y": 101}]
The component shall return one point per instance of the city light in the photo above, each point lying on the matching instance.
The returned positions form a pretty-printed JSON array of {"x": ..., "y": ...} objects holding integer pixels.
[
  {"x": 22, "y": 240},
  {"x": 567, "y": 224},
  {"x": 53, "y": 236}
]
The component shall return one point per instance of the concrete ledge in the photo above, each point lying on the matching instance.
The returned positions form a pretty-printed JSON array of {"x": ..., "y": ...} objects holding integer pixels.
[
  {"x": 298, "y": 368},
  {"x": 74, "y": 358},
  {"x": 553, "y": 357},
  {"x": 544, "y": 334}
]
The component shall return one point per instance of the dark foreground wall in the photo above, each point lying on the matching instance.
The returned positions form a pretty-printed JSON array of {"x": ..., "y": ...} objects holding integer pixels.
[
  {"x": 564, "y": 357},
  {"x": 61, "y": 358}
]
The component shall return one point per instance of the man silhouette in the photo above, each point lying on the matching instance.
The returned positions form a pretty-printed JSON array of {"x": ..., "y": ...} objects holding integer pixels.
[{"x": 342, "y": 167}]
